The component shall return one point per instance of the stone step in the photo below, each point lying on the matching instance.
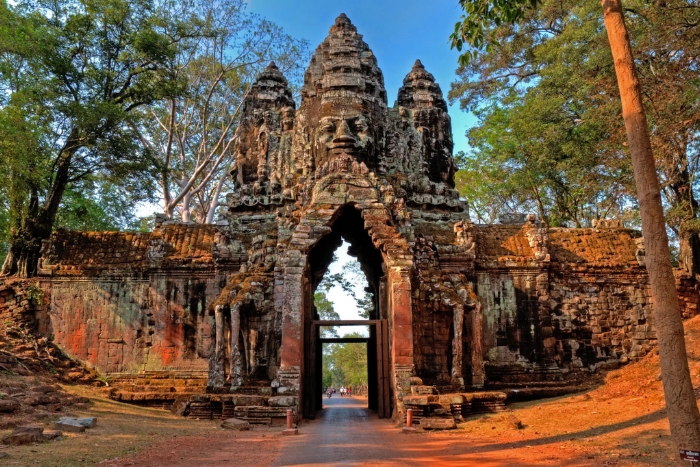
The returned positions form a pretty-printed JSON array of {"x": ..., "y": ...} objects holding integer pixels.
[{"x": 488, "y": 407}]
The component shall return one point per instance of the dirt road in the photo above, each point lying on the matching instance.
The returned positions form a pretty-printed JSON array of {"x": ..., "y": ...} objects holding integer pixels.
[{"x": 346, "y": 433}]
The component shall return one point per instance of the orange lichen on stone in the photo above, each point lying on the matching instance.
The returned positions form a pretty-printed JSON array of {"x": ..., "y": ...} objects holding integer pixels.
[
  {"x": 613, "y": 247},
  {"x": 505, "y": 242},
  {"x": 71, "y": 252}
]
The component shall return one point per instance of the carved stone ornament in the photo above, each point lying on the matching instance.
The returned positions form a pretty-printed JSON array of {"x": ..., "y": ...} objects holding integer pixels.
[{"x": 157, "y": 250}]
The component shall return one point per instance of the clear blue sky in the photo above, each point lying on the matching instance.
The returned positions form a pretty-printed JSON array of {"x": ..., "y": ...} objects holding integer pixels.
[{"x": 397, "y": 31}]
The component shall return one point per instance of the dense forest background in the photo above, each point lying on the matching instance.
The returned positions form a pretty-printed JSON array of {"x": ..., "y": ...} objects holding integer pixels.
[{"x": 550, "y": 137}]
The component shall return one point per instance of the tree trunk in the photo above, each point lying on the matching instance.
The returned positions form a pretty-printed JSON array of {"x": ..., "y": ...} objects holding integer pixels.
[
  {"x": 681, "y": 407},
  {"x": 185, "y": 209},
  {"x": 683, "y": 211},
  {"x": 37, "y": 223},
  {"x": 25, "y": 248},
  {"x": 215, "y": 198}
]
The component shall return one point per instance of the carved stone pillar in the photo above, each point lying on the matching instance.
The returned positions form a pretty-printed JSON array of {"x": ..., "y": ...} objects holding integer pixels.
[
  {"x": 457, "y": 350},
  {"x": 216, "y": 360},
  {"x": 235, "y": 357},
  {"x": 401, "y": 316},
  {"x": 292, "y": 318},
  {"x": 478, "y": 377}
]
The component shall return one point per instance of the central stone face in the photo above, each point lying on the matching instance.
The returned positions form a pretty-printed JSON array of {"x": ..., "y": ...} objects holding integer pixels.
[{"x": 344, "y": 103}]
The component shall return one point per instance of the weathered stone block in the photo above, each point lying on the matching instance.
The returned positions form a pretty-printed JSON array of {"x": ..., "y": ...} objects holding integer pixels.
[
  {"x": 420, "y": 390},
  {"x": 449, "y": 399},
  {"x": 243, "y": 399},
  {"x": 9, "y": 405},
  {"x": 432, "y": 423},
  {"x": 235, "y": 424},
  {"x": 25, "y": 435},
  {"x": 88, "y": 422},
  {"x": 282, "y": 401},
  {"x": 49, "y": 435},
  {"x": 424, "y": 399},
  {"x": 70, "y": 425}
]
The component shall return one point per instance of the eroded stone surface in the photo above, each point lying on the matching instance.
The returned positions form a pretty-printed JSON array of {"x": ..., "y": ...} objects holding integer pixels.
[
  {"x": 433, "y": 423},
  {"x": 26, "y": 434},
  {"x": 69, "y": 424}
]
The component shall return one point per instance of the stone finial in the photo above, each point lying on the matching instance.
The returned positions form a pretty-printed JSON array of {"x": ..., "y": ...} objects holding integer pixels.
[
  {"x": 342, "y": 23},
  {"x": 272, "y": 66},
  {"x": 420, "y": 89}
]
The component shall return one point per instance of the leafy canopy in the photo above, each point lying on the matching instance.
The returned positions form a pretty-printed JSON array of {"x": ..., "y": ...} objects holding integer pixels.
[{"x": 479, "y": 14}]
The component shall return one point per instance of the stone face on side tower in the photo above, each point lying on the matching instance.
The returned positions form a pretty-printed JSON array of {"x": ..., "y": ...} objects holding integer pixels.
[
  {"x": 262, "y": 149},
  {"x": 456, "y": 306},
  {"x": 423, "y": 96}
]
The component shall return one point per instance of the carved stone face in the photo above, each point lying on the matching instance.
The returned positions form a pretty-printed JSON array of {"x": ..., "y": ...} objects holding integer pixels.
[{"x": 346, "y": 134}]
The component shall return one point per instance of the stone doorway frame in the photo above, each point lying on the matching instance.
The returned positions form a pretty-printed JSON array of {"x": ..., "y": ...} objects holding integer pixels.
[
  {"x": 378, "y": 370},
  {"x": 335, "y": 192}
]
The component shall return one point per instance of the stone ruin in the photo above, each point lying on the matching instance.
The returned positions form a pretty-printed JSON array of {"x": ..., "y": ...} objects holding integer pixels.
[{"x": 218, "y": 320}]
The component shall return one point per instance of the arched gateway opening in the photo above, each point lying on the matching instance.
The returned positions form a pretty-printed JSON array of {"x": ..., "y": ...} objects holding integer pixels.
[{"x": 347, "y": 225}]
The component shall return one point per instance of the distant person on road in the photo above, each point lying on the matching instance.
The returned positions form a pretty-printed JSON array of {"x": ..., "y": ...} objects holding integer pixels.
[
  {"x": 329, "y": 392},
  {"x": 349, "y": 390}
]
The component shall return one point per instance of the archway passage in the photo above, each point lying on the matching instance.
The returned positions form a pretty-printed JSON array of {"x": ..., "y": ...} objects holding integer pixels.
[
  {"x": 345, "y": 367},
  {"x": 347, "y": 225}
]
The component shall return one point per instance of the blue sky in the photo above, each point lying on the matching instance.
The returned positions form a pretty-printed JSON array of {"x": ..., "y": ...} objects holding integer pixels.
[{"x": 397, "y": 31}]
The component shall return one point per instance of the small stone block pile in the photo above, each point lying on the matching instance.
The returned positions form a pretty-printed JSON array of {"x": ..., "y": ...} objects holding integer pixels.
[
  {"x": 30, "y": 434},
  {"x": 450, "y": 408}
]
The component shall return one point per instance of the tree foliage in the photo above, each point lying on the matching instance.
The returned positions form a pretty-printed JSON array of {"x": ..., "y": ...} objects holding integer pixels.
[
  {"x": 549, "y": 137},
  {"x": 325, "y": 311},
  {"x": 86, "y": 88},
  {"x": 71, "y": 74},
  {"x": 345, "y": 364},
  {"x": 192, "y": 134},
  {"x": 351, "y": 279}
]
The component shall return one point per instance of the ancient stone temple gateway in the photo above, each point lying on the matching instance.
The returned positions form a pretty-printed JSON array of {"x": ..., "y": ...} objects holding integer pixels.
[{"x": 227, "y": 310}]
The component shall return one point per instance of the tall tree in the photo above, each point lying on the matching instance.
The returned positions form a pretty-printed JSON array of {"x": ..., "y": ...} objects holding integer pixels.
[
  {"x": 72, "y": 72},
  {"x": 192, "y": 134},
  {"x": 325, "y": 311},
  {"x": 681, "y": 405}
]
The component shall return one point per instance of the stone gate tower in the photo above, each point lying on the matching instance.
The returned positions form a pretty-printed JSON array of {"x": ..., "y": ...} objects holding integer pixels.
[{"x": 343, "y": 165}]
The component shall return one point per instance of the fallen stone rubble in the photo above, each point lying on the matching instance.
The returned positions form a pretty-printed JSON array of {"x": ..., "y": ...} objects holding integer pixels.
[{"x": 29, "y": 434}]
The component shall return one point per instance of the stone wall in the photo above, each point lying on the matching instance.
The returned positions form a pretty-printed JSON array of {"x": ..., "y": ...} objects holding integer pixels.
[
  {"x": 127, "y": 325},
  {"x": 125, "y": 303},
  {"x": 585, "y": 303},
  {"x": 20, "y": 301}
]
